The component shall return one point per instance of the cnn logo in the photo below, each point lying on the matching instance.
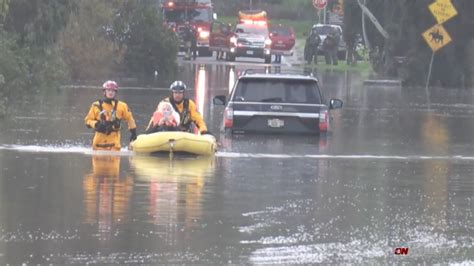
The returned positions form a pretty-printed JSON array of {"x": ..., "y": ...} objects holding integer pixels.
[{"x": 401, "y": 251}]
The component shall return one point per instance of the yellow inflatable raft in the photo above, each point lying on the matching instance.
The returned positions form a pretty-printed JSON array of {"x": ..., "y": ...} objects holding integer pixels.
[{"x": 175, "y": 141}]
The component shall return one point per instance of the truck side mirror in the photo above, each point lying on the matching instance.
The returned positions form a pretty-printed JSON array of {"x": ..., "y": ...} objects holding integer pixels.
[
  {"x": 335, "y": 104},
  {"x": 219, "y": 100}
]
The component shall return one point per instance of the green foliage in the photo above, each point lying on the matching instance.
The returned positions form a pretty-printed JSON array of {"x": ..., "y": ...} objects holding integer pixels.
[
  {"x": 47, "y": 69},
  {"x": 21, "y": 67},
  {"x": 84, "y": 44},
  {"x": 4, "y": 5},
  {"x": 150, "y": 47},
  {"x": 37, "y": 23},
  {"x": 27, "y": 59},
  {"x": 407, "y": 56},
  {"x": 13, "y": 66},
  {"x": 363, "y": 67}
]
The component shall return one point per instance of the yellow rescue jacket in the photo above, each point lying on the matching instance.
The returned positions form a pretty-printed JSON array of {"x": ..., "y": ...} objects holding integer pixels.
[{"x": 115, "y": 112}]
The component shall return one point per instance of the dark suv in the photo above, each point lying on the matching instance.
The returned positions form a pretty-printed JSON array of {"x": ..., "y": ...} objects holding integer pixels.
[{"x": 276, "y": 103}]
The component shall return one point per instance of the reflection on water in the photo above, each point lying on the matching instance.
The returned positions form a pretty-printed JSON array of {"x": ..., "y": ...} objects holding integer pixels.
[
  {"x": 201, "y": 88},
  {"x": 285, "y": 145},
  {"x": 232, "y": 78},
  {"x": 175, "y": 187},
  {"x": 435, "y": 137},
  {"x": 106, "y": 194},
  {"x": 389, "y": 174}
]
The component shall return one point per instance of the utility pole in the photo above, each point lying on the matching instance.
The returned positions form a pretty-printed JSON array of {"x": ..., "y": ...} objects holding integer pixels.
[{"x": 324, "y": 10}]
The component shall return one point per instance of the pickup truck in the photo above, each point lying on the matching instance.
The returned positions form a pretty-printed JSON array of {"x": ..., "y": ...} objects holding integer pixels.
[{"x": 244, "y": 40}]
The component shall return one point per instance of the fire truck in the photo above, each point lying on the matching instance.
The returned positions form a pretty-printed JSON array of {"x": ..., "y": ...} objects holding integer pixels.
[
  {"x": 179, "y": 14},
  {"x": 249, "y": 37}
]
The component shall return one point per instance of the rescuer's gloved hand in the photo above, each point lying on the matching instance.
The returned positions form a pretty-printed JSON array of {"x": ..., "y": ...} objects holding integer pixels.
[
  {"x": 206, "y": 133},
  {"x": 102, "y": 126},
  {"x": 133, "y": 135}
]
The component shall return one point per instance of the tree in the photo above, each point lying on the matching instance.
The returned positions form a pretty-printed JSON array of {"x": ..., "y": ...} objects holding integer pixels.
[
  {"x": 37, "y": 22},
  {"x": 13, "y": 68},
  {"x": 86, "y": 49},
  {"x": 149, "y": 46},
  {"x": 405, "y": 54},
  {"x": 4, "y": 5}
]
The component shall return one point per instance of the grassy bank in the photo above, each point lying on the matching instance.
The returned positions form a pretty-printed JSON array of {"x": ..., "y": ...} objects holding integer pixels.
[{"x": 361, "y": 66}]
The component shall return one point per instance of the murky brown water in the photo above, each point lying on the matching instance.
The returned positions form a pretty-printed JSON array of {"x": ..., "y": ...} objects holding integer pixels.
[{"x": 397, "y": 171}]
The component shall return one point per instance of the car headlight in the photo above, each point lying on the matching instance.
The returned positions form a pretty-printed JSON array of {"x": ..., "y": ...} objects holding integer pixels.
[
  {"x": 204, "y": 34},
  {"x": 233, "y": 40},
  {"x": 268, "y": 42}
]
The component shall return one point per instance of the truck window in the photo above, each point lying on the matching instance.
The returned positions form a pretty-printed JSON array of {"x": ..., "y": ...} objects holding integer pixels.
[
  {"x": 252, "y": 29},
  {"x": 193, "y": 15},
  {"x": 281, "y": 31},
  {"x": 197, "y": 15},
  {"x": 174, "y": 15},
  {"x": 277, "y": 90},
  {"x": 324, "y": 30}
]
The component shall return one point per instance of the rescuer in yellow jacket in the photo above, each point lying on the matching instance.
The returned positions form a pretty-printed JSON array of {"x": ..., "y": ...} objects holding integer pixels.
[
  {"x": 105, "y": 116},
  {"x": 186, "y": 109}
]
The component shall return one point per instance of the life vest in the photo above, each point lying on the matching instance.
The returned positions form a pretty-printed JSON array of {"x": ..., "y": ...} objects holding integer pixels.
[{"x": 112, "y": 117}]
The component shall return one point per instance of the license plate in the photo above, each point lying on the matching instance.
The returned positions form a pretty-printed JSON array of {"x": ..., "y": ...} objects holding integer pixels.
[
  {"x": 275, "y": 123},
  {"x": 249, "y": 52}
]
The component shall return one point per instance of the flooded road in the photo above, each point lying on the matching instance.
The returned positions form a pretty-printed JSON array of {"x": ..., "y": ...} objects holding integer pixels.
[{"x": 396, "y": 173}]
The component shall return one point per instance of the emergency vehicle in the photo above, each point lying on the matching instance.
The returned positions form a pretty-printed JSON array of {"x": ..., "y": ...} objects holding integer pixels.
[
  {"x": 178, "y": 14},
  {"x": 249, "y": 38}
]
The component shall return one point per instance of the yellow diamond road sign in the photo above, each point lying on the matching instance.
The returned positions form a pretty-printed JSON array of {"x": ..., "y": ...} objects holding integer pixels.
[
  {"x": 443, "y": 10},
  {"x": 436, "y": 37}
]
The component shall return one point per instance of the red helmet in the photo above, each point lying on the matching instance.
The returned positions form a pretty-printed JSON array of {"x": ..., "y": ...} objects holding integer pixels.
[{"x": 110, "y": 85}]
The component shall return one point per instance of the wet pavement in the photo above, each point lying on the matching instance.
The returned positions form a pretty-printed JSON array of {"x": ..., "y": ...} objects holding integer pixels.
[{"x": 396, "y": 172}]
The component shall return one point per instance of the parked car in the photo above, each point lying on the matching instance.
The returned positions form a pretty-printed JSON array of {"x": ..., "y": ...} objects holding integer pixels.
[
  {"x": 283, "y": 40},
  {"x": 276, "y": 103},
  {"x": 323, "y": 30}
]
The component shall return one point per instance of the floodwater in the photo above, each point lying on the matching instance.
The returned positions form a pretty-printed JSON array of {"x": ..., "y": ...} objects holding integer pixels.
[{"x": 396, "y": 173}]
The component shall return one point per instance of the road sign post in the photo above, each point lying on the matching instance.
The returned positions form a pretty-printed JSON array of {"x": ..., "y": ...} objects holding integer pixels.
[
  {"x": 437, "y": 37},
  {"x": 320, "y": 4}
]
